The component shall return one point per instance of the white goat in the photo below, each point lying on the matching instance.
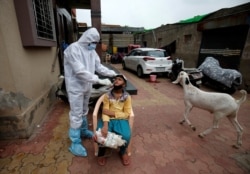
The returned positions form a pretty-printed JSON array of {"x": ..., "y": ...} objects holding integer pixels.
[{"x": 220, "y": 104}]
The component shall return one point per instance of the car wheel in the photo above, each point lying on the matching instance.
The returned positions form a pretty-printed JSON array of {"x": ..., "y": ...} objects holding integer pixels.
[
  {"x": 139, "y": 72},
  {"x": 172, "y": 77},
  {"x": 124, "y": 65}
]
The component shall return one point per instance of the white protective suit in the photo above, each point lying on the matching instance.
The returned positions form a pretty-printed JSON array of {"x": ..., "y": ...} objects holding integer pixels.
[{"x": 80, "y": 65}]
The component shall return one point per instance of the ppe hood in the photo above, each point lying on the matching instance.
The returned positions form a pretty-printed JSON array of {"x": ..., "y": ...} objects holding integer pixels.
[{"x": 90, "y": 35}]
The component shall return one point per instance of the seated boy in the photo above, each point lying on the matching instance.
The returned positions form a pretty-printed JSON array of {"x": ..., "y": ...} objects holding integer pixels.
[{"x": 115, "y": 114}]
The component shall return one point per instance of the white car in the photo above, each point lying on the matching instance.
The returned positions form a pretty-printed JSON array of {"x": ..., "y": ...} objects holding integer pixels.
[{"x": 147, "y": 61}]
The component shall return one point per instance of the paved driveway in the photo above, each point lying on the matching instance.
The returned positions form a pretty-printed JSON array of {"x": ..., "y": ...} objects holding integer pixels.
[{"x": 160, "y": 143}]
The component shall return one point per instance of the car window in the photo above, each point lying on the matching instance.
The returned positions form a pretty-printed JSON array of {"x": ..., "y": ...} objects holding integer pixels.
[
  {"x": 135, "y": 53},
  {"x": 138, "y": 53},
  {"x": 144, "y": 53},
  {"x": 132, "y": 53},
  {"x": 157, "y": 53}
]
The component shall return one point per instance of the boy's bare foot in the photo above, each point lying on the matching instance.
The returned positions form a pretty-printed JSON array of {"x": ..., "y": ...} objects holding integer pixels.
[
  {"x": 125, "y": 159},
  {"x": 101, "y": 161}
]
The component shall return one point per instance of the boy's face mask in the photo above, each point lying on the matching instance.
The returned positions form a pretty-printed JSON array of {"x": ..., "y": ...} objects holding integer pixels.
[{"x": 92, "y": 46}]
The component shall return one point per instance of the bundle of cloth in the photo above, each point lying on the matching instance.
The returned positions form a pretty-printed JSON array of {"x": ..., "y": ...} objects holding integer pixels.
[
  {"x": 211, "y": 68},
  {"x": 112, "y": 140}
]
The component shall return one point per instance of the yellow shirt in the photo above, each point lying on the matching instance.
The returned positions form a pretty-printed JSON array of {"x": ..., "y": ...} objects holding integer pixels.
[{"x": 122, "y": 108}]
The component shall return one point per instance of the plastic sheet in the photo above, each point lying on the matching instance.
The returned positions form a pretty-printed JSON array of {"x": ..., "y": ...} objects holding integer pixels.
[{"x": 211, "y": 68}]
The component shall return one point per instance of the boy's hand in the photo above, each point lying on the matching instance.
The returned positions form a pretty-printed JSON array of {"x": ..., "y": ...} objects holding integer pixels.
[
  {"x": 108, "y": 112},
  {"x": 104, "y": 131},
  {"x": 94, "y": 138}
]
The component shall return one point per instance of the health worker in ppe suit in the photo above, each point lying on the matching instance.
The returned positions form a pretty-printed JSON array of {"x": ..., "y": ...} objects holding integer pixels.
[{"x": 80, "y": 63}]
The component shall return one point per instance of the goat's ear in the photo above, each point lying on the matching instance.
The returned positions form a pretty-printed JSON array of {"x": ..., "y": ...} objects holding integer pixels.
[{"x": 187, "y": 81}]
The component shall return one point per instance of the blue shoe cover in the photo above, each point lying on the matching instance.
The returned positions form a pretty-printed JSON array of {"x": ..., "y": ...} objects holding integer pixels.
[
  {"x": 78, "y": 150},
  {"x": 85, "y": 133},
  {"x": 76, "y": 147}
]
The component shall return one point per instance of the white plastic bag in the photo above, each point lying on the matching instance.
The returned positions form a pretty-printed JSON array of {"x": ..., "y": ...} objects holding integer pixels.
[{"x": 112, "y": 140}]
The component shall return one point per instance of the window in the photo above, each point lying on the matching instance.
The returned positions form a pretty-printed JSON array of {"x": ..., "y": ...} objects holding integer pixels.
[
  {"x": 138, "y": 53},
  {"x": 44, "y": 25},
  {"x": 159, "y": 42},
  {"x": 132, "y": 53},
  {"x": 144, "y": 53},
  {"x": 157, "y": 53},
  {"x": 187, "y": 38},
  {"x": 36, "y": 22}
]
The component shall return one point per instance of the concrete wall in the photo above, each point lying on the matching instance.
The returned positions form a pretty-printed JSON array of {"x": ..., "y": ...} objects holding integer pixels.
[
  {"x": 27, "y": 83},
  {"x": 188, "y": 41},
  {"x": 122, "y": 40},
  {"x": 118, "y": 40},
  {"x": 245, "y": 64}
]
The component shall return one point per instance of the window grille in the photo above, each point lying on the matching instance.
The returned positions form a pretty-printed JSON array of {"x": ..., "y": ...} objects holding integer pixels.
[
  {"x": 187, "y": 38},
  {"x": 36, "y": 22},
  {"x": 43, "y": 19}
]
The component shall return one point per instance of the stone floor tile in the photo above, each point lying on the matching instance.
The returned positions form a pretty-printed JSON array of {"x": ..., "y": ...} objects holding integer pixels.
[
  {"x": 28, "y": 168},
  {"x": 4, "y": 162},
  {"x": 33, "y": 159},
  {"x": 16, "y": 161},
  {"x": 80, "y": 165},
  {"x": 159, "y": 143},
  {"x": 42, "y": 169},
  {"x": 62, "y": 167}
]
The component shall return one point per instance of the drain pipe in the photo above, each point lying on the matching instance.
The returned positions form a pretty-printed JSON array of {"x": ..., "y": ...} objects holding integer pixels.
[{"x": 154, "y": 38}]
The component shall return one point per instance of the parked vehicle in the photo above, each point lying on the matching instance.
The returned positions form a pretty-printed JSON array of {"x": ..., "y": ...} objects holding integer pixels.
[
  {"x": 224, "y": 80},
  {"x": 133, "y": 46},
  {"x": 96, "y": 91},
  {"x": 117, "y": 58},
  {"x": 195, "y": 75},
  {"x": 147, "y": 61}
]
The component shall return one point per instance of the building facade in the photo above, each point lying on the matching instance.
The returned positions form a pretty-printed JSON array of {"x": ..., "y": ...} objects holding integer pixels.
[
  {"x": 31, "y": 59},
  {"x": 223, "y": 34}
]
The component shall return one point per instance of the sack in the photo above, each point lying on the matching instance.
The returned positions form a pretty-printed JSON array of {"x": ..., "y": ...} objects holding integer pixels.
[{"x": 112, "y": 140}]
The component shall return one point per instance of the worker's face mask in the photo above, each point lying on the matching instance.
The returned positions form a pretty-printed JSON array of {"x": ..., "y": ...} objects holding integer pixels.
[{"x": 92, "y": 46}]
